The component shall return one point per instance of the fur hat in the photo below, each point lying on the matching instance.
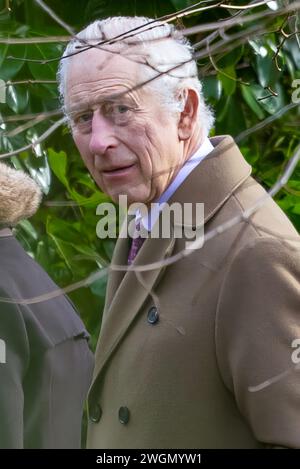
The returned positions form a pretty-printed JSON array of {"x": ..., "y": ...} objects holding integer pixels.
[{"x": 20, "y": 196}]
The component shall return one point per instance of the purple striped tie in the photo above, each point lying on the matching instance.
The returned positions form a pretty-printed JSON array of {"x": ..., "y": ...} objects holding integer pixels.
[{"x": 136, "y": 245}]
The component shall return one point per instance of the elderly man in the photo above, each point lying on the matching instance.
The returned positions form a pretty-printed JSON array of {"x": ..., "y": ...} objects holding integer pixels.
[{"x": 199, "y": 353}]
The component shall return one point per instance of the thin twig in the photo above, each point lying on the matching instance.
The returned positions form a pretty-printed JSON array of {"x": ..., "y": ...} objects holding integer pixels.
[
  {"x": 27, "y": 82},
  {"x": 56, "y": 112},
  {"x": 21, "y": 128},
  {"x": 39, "y": 140},
  {"x": 55, "y": 17},
  {"x": 35, "y": 40}
]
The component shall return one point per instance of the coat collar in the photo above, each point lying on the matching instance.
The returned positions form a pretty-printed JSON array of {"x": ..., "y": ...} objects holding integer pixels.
[
  {"x": 212, "y": 183},
  {"x": 215, "y": 179},
  {"x": 4, "y": 232}
]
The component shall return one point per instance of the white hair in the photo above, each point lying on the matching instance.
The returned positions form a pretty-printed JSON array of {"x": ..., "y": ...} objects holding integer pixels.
[{"x": 160, "y": 45}]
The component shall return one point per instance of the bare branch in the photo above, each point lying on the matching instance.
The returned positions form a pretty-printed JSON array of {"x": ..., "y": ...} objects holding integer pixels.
[
  {"x": 60, "y": 291},
  {"x": 6, "y": 8},
  {"x": 272, "y": 93},
  {"x": 55, "y": 17},
  {"x": 23, "y": 127},
  {"x": 27, "y": 82},
  {"x": 25, "y": 117},
  {"x": 40, "y": 139},
  {"x": 237, "y": 20},
  {"x": 265, "y": 122},
  {"x": 239, "y": 80},
  {"x": 35, "y": 40}
]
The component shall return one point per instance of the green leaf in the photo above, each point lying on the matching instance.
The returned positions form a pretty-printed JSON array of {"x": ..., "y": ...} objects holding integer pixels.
[
  {"x": 290, "y": 67},
  {"x": 292, "y": 46},
  {"x": 10, "y": 67},
  {"x": 231, "y": 58},
  {"x": 296, "y": 209},
  {"x": 29, "y": 229},
  {"x": 44, "y": 91},
  {"x": 222, "y": 108},
  {"x": 250, "y": 155},
  {"x": 181, "y": 4},
  {"x": 38, "y": 168},
  {"x": 63, "y": 230},
  {"x": 109, "y": 247},
  {"x": 233, "y": 121},
  {"x": 267, "y": 72},
  {"x": 249, "y": 97},
  {"x": 42, "y": 254},
  {"x": 99, "y": 286},
  {"x": 64, "y": 237},
  {"x": 93, "y": 200},
  {"x": 212, "y": 88},
  {"x": 43, "y": 70},
  {"x": 259, "y": 47},
  {"x": 271, "y": 104},
  {"x": 17, "y": 98},
  {"x": 58, "y": 163},
  {"x": 228, "y": 78}
]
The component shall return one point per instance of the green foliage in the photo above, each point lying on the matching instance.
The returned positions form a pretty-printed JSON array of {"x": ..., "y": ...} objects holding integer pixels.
[{"x": 236, "y": 82}]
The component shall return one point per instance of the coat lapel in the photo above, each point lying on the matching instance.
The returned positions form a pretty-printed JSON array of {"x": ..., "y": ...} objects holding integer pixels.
[
  {"x": 127, "y": 291},
  {"x": 116, "y": 276}
]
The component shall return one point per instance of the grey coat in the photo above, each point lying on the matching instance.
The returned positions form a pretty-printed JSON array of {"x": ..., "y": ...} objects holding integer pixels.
[{"x": 45, "y": 362}]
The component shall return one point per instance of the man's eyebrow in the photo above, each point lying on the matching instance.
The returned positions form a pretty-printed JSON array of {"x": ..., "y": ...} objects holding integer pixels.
[
  {"x": 87, "y": 105},
  {"x": 80, "y": 107}
]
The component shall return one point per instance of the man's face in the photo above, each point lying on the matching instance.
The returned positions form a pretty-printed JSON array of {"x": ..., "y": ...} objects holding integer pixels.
[{"x": 129, "y": 143}]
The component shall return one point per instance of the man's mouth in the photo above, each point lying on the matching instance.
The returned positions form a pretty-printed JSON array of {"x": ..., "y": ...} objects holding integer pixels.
[{"x": 118, "y": 171}]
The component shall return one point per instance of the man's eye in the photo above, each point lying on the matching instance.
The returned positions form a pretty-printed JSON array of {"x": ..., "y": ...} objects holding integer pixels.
[
  {"x": 122, "y": 109},
  {"x": 83, "y": 118}
]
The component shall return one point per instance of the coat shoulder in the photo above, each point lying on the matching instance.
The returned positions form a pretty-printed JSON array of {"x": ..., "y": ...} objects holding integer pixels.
[{"x": 52, "y": 319}]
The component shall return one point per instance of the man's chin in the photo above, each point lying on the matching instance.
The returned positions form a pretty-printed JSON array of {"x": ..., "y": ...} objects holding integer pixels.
[{"x": 128, "y": 198}]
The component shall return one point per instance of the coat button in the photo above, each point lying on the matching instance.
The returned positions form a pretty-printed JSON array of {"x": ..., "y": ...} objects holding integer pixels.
[
  {"x": 153, "y": 315},
  {"x": 95, "y": 413},
  {"x": 124, "y": 415}
]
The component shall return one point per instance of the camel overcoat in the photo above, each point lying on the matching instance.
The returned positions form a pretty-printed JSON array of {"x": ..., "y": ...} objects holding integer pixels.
[{"x": 199, "y": 353}]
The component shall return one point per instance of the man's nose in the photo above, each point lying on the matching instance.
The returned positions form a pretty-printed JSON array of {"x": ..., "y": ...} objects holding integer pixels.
[{"x": 102, "y": 135}]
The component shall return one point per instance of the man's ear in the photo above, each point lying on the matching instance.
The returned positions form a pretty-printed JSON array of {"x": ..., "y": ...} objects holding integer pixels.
[{"x": 188, "y": 117}]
